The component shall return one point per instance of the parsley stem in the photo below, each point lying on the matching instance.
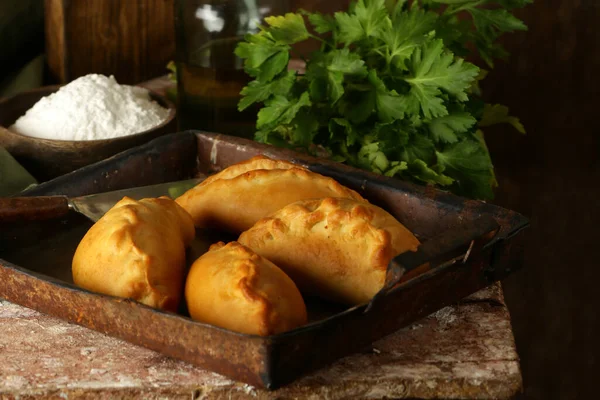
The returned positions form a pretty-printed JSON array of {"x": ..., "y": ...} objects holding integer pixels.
[
  {"x": 310, "y": 35},
  {"x": 467, "y": 7}
]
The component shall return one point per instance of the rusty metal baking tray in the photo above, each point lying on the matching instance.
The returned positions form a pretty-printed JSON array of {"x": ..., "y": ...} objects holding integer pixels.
[{"x": 468, "y": 245}]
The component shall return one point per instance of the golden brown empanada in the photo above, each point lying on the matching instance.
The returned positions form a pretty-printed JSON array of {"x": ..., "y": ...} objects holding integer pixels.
[
  {"x": 232, "y": 287},
  {"x": 238, "y": 203},
  {"x": 256, "y": 162},
  {"x": 338, "y": 249},
  {"x": 137, "y": 250}
]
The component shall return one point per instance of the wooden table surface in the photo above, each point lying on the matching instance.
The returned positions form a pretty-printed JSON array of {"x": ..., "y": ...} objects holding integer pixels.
[{"x": 464, "y": 351}]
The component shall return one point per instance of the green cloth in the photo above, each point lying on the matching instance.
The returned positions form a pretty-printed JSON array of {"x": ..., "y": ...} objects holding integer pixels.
[
  {"x": 29, "y": 77},
  {"x": 13, "y": 177},
  {"x": 21, "y": 34},
  {"x": 21, "y": 68}
]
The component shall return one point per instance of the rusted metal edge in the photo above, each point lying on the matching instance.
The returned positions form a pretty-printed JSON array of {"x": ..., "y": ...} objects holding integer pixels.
[
  {"x": 341, "y": 334},
  {"x": 176, "y": 153},
  {"x": 448, "y": 247},
  {"x": 261, "y": 361},
  {"x": 134, "y": 322}
]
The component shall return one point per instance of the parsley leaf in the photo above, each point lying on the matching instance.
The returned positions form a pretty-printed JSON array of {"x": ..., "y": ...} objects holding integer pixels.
[
  {"x": 393, "y": 137},
  {"x": 272, "y": 111},
  {"x": 389, "y": 104},
  {"x": 488, "y": 20},
  {"x": 395, "y": 168},
  {"x": 305, "y": 127},
  {"x": 389, "y": 90},
  {"x": 345, "y": 62},
  {"x": 371, "y": 157},
  {"x": 371, "y": 15},
  {"x": 433, "y": 69},
  {"x": 422, "y": 172},
  {"x": 419, "y": 147},
  {"x": 445, "y": 129},
  {"x": 469, "y": 162},
  {"x": 342, "y": 128},
  {"x": 287, "y": 29},
  {"x": 322, "y": 23},
  {"x": 257, "y": 50},
  {"x": 357, "y": 105},
  {"x": 498, "y": 114},
  {"x": 405, "y": 33},
  {"x": 491, "y": 19},
  {"x": 257, "y": 91},
  {"x": 349, "y": 28},
  {"x": 280, "y": 110},
  {"x": 273, "y": 66},
  {"x": 327, "y": 73}
]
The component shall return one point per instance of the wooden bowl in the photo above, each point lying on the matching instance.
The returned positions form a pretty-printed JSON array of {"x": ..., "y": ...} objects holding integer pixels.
[{"x": 47, "y": 158}]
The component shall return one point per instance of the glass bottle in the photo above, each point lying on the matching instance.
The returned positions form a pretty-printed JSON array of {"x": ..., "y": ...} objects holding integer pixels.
[{"x": 209, "y": 75}]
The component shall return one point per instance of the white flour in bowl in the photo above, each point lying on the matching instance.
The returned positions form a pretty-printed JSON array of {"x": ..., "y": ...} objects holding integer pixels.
[{"x": 89, "y": 108}]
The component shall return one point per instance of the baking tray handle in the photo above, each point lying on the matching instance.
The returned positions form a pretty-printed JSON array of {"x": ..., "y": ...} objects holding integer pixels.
[
  {"x": 33, "y": 208},
  {"x": 448, "y": 248}
]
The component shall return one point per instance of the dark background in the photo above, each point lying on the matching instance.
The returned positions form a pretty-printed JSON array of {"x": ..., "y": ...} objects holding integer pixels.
[{"x": 552, "y": 174}]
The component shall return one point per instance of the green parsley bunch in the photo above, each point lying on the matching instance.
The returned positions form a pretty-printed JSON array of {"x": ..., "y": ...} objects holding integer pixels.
[{"x": 388, "y": 91}]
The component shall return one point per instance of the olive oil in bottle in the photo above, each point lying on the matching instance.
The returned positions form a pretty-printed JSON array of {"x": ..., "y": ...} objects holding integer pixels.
[{"x": 209, "y": 75}]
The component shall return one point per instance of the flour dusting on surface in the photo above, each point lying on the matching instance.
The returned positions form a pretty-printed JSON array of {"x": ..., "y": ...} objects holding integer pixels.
[
  {"x": 92, "y": 107},
  {"x": 446, "y": 316}
]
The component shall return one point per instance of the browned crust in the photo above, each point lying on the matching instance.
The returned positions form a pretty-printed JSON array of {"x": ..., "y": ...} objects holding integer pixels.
[
  {"x": 135, "y": 250},
  {"x": 303, "y": 174},
  {"x": 223, "y": 203},
  {"x": 256, "y": 162},
  {"x": 269, "y": 319},
  {"x": 321, "y": 242},
  {"x": 339, "y": 213},
  {"x": 248, "y": 286}
]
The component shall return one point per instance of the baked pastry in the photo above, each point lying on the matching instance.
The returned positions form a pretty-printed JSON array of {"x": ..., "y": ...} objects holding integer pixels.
[
  {"x": 137, "y": 250},
  {"x": 232, "y": 287},
  {"x": 334, "y": 248},
  {"x": 256, "y": 162},
  {"x": 237, "y": 203}
]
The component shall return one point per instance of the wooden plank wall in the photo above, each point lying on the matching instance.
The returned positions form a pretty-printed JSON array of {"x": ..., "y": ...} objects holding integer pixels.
[{"x": 133, "y": 40}]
